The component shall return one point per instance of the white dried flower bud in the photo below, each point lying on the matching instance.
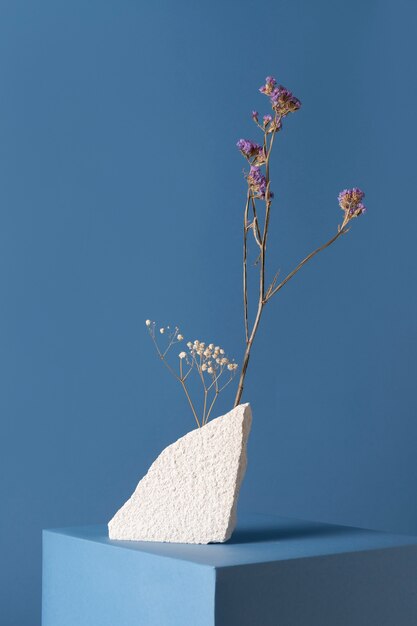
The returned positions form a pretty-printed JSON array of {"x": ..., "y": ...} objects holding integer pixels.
[
  {"x": 182, "y": 355},
  {"x": 148, "y": 322},
  {"x": 189, "y": 345},
  {"x": 211, "y": 346},
  {"x": 210, "y": 370},
  {"x": 162, "y": 330},
  {"x": 204, "y": 367},
  {"x": 180, "y": 337},
  {"x": 231, "y": 366},
  {"x": 221, "y": 351}
]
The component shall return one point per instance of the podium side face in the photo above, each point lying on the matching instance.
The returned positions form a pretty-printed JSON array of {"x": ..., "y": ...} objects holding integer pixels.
[{"x": 369, "y": 588}]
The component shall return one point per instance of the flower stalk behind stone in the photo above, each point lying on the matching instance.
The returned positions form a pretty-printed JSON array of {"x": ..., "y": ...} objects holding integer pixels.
[
  {"x": 282, "y": 102},
  {"x": 208, "y": 362}
]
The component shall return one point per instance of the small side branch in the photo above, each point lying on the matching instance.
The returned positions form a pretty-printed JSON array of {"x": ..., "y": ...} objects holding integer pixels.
[
  {"x": 256, "y": 229},
  {"x": 275, "y": 290}
]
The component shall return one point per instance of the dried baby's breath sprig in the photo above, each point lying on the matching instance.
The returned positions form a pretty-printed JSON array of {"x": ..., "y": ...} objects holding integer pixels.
[{"x": 208, "y": 362}]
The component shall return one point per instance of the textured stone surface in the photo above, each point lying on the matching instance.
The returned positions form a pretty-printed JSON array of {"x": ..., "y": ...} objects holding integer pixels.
[{"x": 190, "y": 492}]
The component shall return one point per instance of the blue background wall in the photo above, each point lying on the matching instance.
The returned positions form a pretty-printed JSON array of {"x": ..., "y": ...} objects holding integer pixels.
[{"x": 121, "y": 198}]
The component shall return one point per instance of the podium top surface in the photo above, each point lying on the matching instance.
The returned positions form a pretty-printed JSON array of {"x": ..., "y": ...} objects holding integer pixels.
[{"x": 257, "y": 539}]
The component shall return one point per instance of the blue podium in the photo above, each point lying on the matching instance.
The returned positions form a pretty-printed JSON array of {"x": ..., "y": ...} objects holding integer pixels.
[{"x": 273, "y": 572}]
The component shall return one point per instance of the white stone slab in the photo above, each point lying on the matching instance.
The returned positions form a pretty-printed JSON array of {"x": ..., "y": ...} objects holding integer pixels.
[{"x": 190, "y": 492}]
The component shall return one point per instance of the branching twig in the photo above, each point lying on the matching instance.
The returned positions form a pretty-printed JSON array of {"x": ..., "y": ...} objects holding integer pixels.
[
  {"x": 206, "y": 360},
  {"x": 275, "y": 290},
  {"x": 259, "y": 188}
]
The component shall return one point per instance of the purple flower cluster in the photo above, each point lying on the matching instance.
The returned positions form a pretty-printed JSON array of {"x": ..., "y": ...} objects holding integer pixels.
[
  {"x": 248, "y": 148},
  {"x": 282, "y": 100},
  {"x": 350, "y": 201},
  {"x": 257, "y": 182},
  {"x": 269, "y": 86},
  {"x": 272, "y": 124}
]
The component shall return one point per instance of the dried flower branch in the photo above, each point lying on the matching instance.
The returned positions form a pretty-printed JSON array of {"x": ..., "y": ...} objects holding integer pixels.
[
  {"x": 208, "y": 362},
  {"x": 282, "y": 102}
]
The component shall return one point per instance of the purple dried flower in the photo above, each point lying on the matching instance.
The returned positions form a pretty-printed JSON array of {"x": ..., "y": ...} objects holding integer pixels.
[
  {"x": 268, "y": 88},
  {"x": 260, "y": 157},
  {"x": 267, "y": 119},
  {"x": 257, "y": 179},
  {"x": 248, "y": 148},
  {"x": 276, "y": 125},
  {"x": 350, "y": 201},
  {"x": 257, "y": 182},
  {"x": 255, "y": 115},
  {"x": 283, "y": 101}
]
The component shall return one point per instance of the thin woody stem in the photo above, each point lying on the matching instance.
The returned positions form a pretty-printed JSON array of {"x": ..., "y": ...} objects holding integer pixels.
[
  {"x": 171, "y": 341},
  {"x": 200, "y": 373},
  {"x": 256, "y": 229},
  {"x": 215, "y": 379},
  {"x": 190, "y": 402},
  {"x": 205, "y": 395},
  {"x": 162, "y": 357},
  {"x": 205, "y": 406},
  {"x": 181, "y": 379},
  {"x": 267, "y": 214},
  {"x": 245, "y": 266},
  {"x": 261, "y": 300},
  {"x": 214, "y": 400},
  {"x": 247, "y": 354},
  {"x": 212, "y": 405},
  {"x": 342, "y": 231},
  {"x": 225, "y": 384}
]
